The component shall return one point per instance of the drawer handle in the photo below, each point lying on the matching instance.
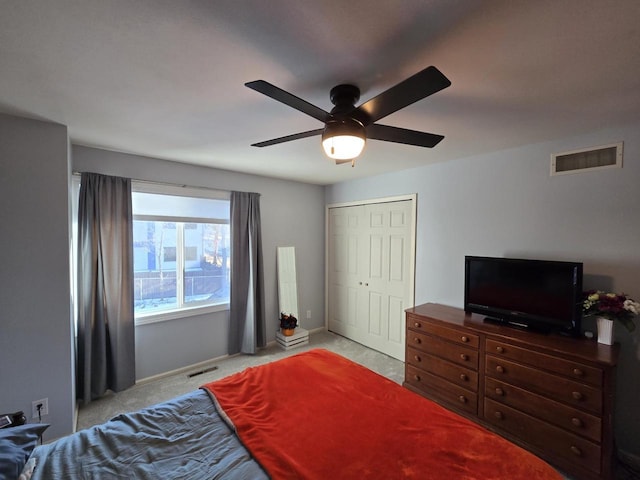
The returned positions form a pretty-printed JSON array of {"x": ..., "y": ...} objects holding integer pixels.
[
  {"x": 576, "y": 451},
  {"x": 499, "y": 391},
  {"x": 462, "y": 399},
  {"x": 416, "y": 378},
  {"x": 499, "y": 349},
  {"x": 417, "y": 358},
  {"x": 500, "y": 369},
  {"x": 417, "y": 340},
  {"x": 463, "y": 377},
  {"x": 417, "y": 325},
  {"x": 576, "y": 422},
  {"x": 577, "y": 395},
  {"x": 464, "y": 357},
  {"x": 577, "y": 372},
  {"x": 499, "y": 415},
  {"x": 465, "y": 339}
]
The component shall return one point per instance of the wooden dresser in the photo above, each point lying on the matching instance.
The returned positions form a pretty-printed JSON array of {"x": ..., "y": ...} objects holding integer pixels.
[{"x": 550, "y": 394}]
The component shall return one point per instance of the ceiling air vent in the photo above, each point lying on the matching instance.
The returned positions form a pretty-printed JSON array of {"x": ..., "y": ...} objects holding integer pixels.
[{"x": 586, "y": 159}]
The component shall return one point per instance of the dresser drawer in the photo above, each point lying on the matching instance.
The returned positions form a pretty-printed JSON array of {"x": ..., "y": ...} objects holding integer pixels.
[
  {"x": 558, "y": 388},
  {"x": 547, "y": 437},
  {"x": 561, "y": 415},
  {"x": 457, "y": 336},
  {"x": 453, "y": 352},
  {"x": 441, "y": 389},
  {"x": 580, "y": 372},
  {"x": 453, "y": 372}
]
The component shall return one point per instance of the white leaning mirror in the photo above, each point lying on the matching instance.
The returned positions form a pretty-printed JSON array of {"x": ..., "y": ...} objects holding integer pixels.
[{"x": 287, "y": 283}]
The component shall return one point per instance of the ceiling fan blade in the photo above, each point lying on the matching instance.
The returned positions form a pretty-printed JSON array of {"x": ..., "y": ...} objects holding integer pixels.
[
  {"x": 403, "y": 135},
  {"x": 288, "y": 99},
  {"x": 288, "y": 138},
  {"x": 421, "y": 85}
]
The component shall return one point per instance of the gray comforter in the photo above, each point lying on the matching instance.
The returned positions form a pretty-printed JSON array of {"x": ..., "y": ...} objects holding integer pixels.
[{"x": 179, "y": 439}]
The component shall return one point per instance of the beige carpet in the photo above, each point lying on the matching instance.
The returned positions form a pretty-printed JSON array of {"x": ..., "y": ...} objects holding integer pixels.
[{"x": 149, "y": 393}]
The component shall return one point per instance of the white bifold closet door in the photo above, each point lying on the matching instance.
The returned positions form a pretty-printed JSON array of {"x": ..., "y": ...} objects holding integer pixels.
[{"x": 371, "y": 252}]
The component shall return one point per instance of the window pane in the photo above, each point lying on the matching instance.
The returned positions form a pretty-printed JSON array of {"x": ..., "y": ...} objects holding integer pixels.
[
  {"x": 206, "y": 273},
  {"x": 179, "y": 206},
  {"x": 181, "y": 248},
  {"x": 154, "y": 265}
]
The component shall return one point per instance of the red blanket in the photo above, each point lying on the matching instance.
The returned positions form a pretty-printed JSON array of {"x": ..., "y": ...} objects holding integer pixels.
[{"x": 317, "y": 415}]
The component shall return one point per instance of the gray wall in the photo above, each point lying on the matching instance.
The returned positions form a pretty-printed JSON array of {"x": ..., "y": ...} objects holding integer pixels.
[
  {"x": 506, "y": 204},
  {"x": 292, "y": 215},
  {"x": 36, "y": 354}
]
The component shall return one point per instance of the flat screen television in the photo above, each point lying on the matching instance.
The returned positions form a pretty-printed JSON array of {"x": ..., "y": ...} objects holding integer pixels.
[{"x": 540, "y": 295}]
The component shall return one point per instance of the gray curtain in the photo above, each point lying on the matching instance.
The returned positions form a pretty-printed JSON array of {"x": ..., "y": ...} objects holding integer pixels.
[
  {"x": 246, "y": 311},
  {"x": 106, "y": 349}
]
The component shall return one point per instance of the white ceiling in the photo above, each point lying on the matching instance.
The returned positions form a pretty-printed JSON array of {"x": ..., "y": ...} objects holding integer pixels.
[{"x": 165, "y": 78}]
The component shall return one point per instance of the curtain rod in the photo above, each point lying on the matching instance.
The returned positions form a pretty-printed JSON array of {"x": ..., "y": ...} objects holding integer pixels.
[{"x": 168, "y": 184}]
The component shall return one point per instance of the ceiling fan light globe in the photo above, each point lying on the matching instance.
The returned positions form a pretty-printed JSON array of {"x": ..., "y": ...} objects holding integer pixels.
[
  {"x": 343, "y": 147},
  {"x": 343, "y": 139}
]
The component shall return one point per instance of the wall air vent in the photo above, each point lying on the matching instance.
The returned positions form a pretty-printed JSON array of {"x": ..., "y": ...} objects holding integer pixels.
[{"x": 587, "y": 159}]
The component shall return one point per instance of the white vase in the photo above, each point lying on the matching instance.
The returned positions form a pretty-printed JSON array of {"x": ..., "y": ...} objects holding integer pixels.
[{"x": 605, "y": 331}]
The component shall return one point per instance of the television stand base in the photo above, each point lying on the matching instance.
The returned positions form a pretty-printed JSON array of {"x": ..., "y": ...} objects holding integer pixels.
[{"x": 521, "y": 326}]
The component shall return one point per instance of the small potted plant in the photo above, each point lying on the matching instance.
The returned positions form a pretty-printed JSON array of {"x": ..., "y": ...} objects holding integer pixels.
[
  {"x": 607, "y": 308},
  {"x": 288, "y": 324}
]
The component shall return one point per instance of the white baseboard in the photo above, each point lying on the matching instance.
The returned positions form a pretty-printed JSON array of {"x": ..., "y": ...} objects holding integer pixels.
[
  {"x": 319, "y": 329},
  {"x": 202, "y": 365},
  {"x": 75, "y": 417},
  {"x": 177, "y": 371}
]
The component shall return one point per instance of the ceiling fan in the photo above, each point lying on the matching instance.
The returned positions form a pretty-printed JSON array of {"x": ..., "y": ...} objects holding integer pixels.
[{"x": 347, "y": 127}]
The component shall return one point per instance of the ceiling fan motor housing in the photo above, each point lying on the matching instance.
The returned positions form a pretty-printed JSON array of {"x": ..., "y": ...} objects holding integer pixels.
[
  {"x": 344, "y": 95},
  {"x": 340, "y": 122}
]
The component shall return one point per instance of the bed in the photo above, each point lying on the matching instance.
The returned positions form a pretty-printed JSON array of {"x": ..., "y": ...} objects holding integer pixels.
[{"x": 314, "y": 415}]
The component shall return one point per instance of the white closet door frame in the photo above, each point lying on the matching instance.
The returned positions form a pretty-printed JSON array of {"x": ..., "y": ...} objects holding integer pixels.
[{"x": 412, "y": 263}]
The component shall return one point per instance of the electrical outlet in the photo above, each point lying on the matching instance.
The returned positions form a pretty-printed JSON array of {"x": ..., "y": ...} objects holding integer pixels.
[
  {"x": 44, "y": 410},
  {"x": 308, "y": 314}
]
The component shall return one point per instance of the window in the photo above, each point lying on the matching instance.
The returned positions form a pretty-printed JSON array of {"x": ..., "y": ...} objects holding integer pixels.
[{"x": 181, "y": 245}]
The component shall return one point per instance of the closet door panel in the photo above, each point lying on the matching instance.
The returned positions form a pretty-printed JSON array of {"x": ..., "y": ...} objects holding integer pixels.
[
  {"x": 344, "y": 271},
  {"x": 370, "y": 252}
]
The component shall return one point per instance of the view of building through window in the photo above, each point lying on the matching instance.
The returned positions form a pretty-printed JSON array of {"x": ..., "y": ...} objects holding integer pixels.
[
  {"x": 180, "y": 252},
  {"x": 176, "y": 266}
]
